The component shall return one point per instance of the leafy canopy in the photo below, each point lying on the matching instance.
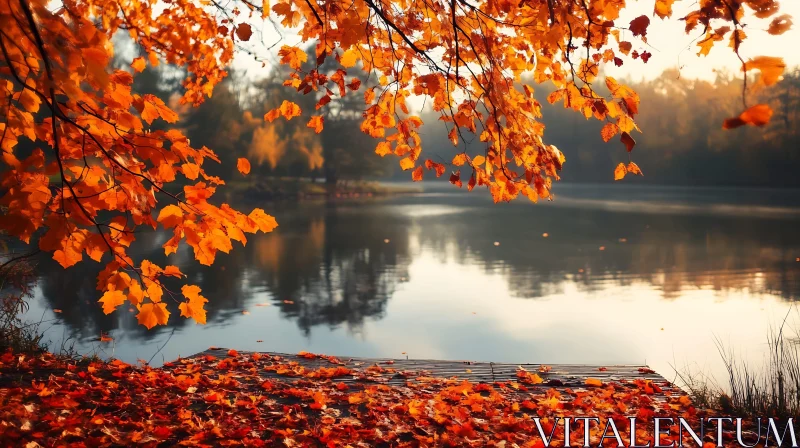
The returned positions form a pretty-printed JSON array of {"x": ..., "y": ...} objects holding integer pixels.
[{"x": 83, "y": 161}]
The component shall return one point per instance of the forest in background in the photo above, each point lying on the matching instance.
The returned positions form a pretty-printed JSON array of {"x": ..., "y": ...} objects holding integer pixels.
[{"x": 682, "y": 142}]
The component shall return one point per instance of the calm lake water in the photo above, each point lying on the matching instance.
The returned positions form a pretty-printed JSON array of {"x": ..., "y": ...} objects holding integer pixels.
[{"x": 626, "y": 274}]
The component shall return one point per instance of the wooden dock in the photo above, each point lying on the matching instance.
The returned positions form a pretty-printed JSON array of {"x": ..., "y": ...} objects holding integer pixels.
[{"x": 399, "y": 371}]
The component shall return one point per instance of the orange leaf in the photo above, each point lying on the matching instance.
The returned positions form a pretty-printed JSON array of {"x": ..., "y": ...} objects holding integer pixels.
[
  {"x": 272, "y": 115},
  {"x": 190, "y": 170},
  {"x": 593, "y": 382},
  {"x": 138, "y": 64},
  {"x": 289, "y": 110},
  {"x": 460, "y": 159},
  {"x": 170, "y": 216},
  {"x": 243, "y": 165},
  {"x": 437, "y": 167},
  {"x": 758, "y": 115},
  {"x": 453, "y": 135},
  {"x": 417, "y": 174},
  {"x": 292, "y": 56},
  {"x": 634, "y": 169},
  {"x": 780, "y": 24},
  {"x": 663, "y": 8},
  {"x": 152, "y": 314},
  {"x": 609, "y": 131},
  {"x": 771, "y": 68},
  {"x": 111, "y": 300},
  {"x": 316, "y": 123},
  {"x": 265, "y": 222},
  {"x": 194, "y": 306}
]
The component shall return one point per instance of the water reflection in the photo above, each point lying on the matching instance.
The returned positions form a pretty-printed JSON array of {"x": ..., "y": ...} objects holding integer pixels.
[{"x": 366, "y": 275}]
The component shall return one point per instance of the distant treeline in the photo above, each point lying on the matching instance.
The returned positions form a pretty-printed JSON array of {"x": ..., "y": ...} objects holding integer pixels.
[
  {"x": 682, "y": 143},
  {"x": 682, "y": 140}
]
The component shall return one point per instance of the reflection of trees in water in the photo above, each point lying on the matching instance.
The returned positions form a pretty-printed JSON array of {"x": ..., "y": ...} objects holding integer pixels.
[
  {"x": 333, "y": 266},
  {"x": 329, "y": 265},
  {"x": 324, "y": 265},
  {"x": 74, "y": 290},
  {"x": 672, "y": 252}
]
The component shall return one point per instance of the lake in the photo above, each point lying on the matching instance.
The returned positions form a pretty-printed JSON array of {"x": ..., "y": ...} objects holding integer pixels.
[{"x": 603, "y": 275}]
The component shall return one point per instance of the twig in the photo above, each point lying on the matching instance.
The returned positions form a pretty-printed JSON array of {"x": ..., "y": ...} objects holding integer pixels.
[{"x": 162, "y": 347}]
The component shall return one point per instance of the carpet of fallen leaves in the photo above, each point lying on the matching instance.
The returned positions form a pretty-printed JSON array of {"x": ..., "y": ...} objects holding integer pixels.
[{"x": 261, "y": 400}]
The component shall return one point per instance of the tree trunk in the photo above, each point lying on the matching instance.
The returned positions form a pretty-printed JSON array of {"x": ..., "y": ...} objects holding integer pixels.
[{"x": 328, "y": 167}]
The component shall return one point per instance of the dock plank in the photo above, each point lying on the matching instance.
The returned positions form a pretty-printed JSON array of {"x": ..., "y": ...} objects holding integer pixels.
[{"x": 399, "y": 371}]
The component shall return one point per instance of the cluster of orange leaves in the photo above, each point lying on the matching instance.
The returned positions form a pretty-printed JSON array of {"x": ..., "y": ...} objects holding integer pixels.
[
  {"x": 98, "y": 171},
  {"x": 266, "y": 400}
]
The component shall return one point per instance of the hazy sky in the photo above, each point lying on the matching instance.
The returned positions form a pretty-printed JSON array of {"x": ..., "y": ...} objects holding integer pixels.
[
  {"x": 672, "y": 47},
  {"x": 669, "y": 45}
]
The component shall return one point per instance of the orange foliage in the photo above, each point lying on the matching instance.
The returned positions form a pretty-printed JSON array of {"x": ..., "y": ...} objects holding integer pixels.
[
  {"x": 758, "y": 115},
  {"x": 207, "y": 401},
  {"x": 97, "y": 154}
]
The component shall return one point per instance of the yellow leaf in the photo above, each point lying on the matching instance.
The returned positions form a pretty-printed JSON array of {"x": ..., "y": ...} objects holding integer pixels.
[
  {"x": 243, "y": 165},
  {"x": 383, "y": 149},
  {"x": 619, "y": 172},
  {"x": 593, "y": 382},
  {"x": 349, "y": 58},
  {"x": 406, "y": 163}
]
